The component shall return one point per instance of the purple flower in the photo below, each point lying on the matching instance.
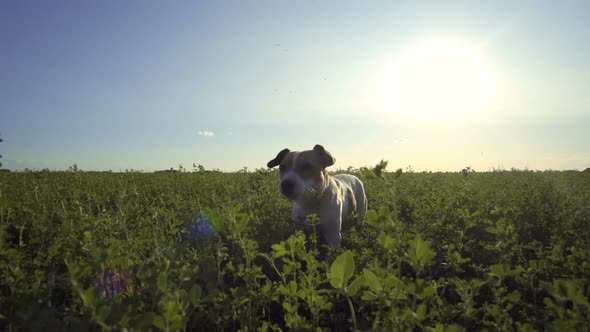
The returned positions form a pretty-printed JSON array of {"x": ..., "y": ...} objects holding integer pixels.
[
  {"x": 200, "y": 228},
  {"x": 115, "y": 281}
]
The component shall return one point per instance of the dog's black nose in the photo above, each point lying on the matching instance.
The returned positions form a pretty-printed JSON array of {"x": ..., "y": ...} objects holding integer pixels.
[{"x": 287, "y": 188}]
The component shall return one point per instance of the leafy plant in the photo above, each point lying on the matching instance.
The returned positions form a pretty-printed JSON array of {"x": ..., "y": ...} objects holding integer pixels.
[{"x": 502, "y": 250}]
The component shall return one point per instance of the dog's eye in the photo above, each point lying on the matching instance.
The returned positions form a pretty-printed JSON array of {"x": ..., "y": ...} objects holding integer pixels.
[{"x": 306, "y": 167}]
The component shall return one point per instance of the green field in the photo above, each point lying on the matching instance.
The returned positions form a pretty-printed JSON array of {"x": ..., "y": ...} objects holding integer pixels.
[{"x": 502, "y": 251}]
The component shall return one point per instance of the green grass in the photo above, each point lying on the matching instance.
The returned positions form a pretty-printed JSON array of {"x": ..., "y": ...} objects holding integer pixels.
[{"x": 437, "y": 252}]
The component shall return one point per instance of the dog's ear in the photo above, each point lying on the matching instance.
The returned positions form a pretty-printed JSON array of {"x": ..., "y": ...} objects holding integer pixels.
[
  {"x": 325, "y": 156},
  {"x": 280, "y": 156}
]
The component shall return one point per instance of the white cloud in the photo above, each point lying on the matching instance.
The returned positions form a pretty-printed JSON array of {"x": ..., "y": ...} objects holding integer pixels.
[
  {"x": 401, "y": 141},
  {"x": 206, "y": 133}
]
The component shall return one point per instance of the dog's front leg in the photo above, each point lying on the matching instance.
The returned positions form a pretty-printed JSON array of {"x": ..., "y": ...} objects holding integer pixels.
[{"x": 330, "y": 224}]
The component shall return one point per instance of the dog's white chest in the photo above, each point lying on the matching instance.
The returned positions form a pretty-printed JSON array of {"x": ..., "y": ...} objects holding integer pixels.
[{"x": 343, "y": 196}]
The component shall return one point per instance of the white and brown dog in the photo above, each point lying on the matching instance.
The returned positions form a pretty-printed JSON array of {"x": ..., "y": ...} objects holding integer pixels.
[{"x": 305, "y": 181}]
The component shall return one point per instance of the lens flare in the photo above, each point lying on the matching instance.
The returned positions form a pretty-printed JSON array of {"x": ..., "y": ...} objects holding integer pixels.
[
  {"x": 204, "y": 225},
  {"x": 114, "y": 281}
]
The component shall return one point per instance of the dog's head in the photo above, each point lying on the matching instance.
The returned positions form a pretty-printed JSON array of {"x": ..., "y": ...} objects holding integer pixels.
[{"x": 303, "y": 174}]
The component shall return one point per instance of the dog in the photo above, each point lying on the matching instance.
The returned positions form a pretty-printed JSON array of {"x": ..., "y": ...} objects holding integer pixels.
[{"x": 305, "y": 181}]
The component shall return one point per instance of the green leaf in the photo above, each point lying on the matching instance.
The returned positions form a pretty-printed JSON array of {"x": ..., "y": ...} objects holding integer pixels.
[
  {"x": 455, "y": 328},
  {"x": 103, "y": 313},
  {"x": 514, "y": 297},
  {"x": 384, "y": 212},
  {"x": 372, "y": 218},
  {"x": 195, "y": 294},
  {"x": 159, "y": 322},
  {"x": 145, "y": 321},
  {"x": 387, "y": 242},
  {"x": 279, "y": 250},
  {"x": 341, "y": 270},
  {"x": 420, "y": 288},
  {"x": 89, "y": 297},
  {"x": 163, "y": 281},
  {"x": 500, "y": 269},
  {"x": 292, "y": 288},
  {"x": 421, "y": 312},
  {"x": 287, "y": 306},
  {"x": 372, "y": 281},
  {"x": 368, "y": 296},
  {"x": 393, "y": 281},
  {"x": 420, "y": 253},
  {"x": 549, "y": 303},
  {"x": 53, "y": 250},
  {"x": 491, "y": 230},
  {"x": 355, "y": 285},
  {"x": 366, "y": 173}
]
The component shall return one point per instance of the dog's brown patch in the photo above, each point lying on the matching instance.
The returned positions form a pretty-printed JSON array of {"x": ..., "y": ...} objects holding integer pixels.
[
  {"x": 310, "y": 164},
  {"x": 278, "y": 159},
  {"x": 286, "y": 163}
]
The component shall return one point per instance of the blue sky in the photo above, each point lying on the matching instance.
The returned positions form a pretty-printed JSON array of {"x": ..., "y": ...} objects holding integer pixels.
[{"x": 226, "y": 84}]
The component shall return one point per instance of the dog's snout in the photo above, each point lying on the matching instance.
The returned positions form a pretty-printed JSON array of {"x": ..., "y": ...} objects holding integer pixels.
[{"x": 287, "y": 187}]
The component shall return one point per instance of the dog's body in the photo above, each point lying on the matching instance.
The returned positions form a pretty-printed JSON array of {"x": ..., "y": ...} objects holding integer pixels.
[{"x": 305, "y": 181}]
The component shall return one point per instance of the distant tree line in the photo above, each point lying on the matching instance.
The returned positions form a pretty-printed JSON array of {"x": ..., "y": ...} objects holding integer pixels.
[{"x": 0, "y": 154}]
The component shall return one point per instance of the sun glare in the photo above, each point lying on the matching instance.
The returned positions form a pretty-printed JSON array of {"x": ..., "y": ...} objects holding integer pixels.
[{"x": 438, "y": 80}]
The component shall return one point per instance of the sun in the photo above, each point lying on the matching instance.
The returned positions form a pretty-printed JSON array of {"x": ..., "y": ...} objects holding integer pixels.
[{"x": 437, "y": 81}]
